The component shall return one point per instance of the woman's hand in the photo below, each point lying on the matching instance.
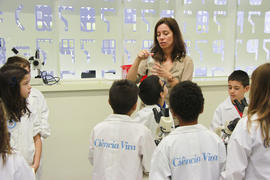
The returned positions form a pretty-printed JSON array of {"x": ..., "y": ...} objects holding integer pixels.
[
  {"x": 143, "y": 54},
  {"x": 160, "y": 71},
  {"x": 132, "y": 73}
]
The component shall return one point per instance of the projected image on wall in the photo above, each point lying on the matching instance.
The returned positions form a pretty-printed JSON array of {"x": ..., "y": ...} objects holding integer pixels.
[{"x": 78, "y": 36}]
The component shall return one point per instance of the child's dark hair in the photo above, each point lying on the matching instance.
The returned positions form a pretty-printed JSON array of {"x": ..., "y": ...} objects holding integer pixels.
[
  {"x": 123, "y": 96},
  {"x": 240, "y": 76},
  {"x": 10, "y": 78},
  {"x": 150, "y": 89},
  {"x": 186, "y": 101},
  {"x": 4, "y": 136},
  {"x": 18, "y": 61}
]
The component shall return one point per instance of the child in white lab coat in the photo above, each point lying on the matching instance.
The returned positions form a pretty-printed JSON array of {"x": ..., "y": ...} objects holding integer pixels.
[
  {"x": 121, "y": 148},
  {"x": 233, "y": 106},
  {"x": 249, "y": 146},
  {"x": 36, "y": 101},
  {"x": 12, "y": 165},
  {"x": 191, "y": 151},
  {"x": 23, "y": 125},
  {"x": 152, "y": 93},
  {"x": 36, "y": 104}
]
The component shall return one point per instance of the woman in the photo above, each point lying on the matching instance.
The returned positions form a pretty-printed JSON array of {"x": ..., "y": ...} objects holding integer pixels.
[{"x": 169, "y": 53}]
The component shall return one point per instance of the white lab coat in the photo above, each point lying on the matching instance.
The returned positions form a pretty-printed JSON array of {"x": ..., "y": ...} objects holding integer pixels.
[
  {"x": 22, "y": 134},
  {"x": 146, "y": 116},
  {"x": 247, "y": 157},
  {"x": 15, "y": 168},
  {"x": 189, "y": 152},
  {"x": 37, "y": 105},
  {"x": 120, "y": 148},
  {"x": 224, "y": 112}
]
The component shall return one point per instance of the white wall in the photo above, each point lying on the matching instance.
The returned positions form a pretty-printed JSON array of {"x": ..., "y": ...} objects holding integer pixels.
[{"x": 73, "y": 113}]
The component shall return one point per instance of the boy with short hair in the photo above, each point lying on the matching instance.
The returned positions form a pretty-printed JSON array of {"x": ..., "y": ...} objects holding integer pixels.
[
  {"x": 152, "y": 93},
  {"x": 233, "y": 107},
  {"x": 121, "y": 148},
  {"x": 191, "y": 151}
]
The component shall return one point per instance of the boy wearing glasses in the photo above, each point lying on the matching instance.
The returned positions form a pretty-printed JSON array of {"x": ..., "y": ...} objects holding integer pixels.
[{"x": 152, "y": 93}]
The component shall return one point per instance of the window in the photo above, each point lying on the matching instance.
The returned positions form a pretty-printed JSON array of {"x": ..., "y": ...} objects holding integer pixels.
[{"x": 76, "y": 36}]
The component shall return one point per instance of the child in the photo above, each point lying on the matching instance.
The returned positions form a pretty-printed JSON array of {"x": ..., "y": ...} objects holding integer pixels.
[
  {"x": 152, "y": 93},
  {"x": 119, "y": 147},
  {"x": 22, "y": 124},
  {"x": 233, "y": 106},
  {"x": 12, "y": 165},
  {"x": 249, "y": 145},
  {"x": 36, "y": 101},
  {"x": 191, "y": 151}
]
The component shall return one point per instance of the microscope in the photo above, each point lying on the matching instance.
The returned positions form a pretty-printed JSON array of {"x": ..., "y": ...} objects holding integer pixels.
[
  {"x": 228, "y": 129},
  {"x": 165, "y": 123},
  {"x": 36, "y": 63},
  {"x": 34, "y": 60},
  {"x": 225, "y": 132},
  {"x": 241, "y": 105}
]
